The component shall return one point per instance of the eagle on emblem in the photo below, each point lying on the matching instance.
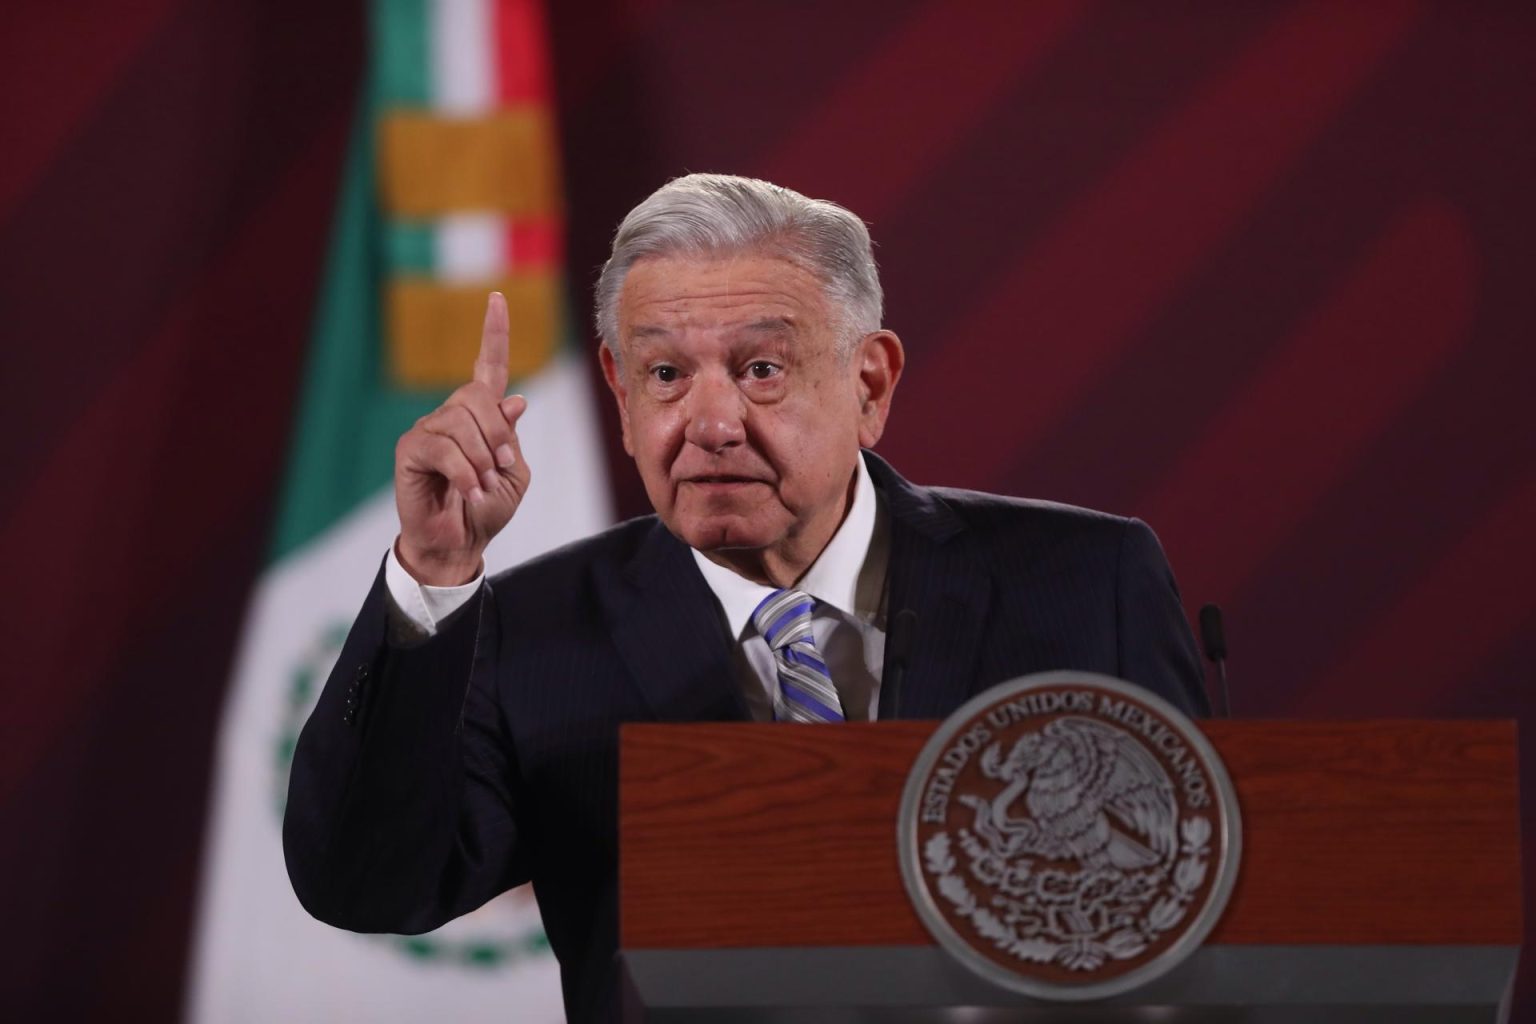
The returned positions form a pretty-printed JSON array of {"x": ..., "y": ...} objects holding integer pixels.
[{"x": 1093, "y": 794}]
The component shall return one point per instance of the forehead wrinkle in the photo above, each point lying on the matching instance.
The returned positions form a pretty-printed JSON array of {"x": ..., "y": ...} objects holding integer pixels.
[{"x": 668, "y": 309}]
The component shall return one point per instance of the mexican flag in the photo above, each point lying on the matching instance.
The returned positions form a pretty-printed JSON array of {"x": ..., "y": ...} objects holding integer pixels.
[{"x": 451, "y": 191}]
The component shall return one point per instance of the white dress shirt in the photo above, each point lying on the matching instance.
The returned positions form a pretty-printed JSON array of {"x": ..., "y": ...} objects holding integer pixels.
[{"x": 848, "y": 621}]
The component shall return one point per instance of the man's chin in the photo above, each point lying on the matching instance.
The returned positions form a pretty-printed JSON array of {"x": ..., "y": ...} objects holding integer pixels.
[{"x": 722, "y": 533}]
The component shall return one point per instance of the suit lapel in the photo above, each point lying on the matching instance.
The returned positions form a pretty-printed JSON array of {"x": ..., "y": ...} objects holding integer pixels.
[
  {"x": 667, "y": 626},
  {"x": 931, "y": 574}
]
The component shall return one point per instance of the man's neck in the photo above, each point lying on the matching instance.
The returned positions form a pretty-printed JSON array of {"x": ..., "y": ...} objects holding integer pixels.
[{"x": 784, "y": 564}]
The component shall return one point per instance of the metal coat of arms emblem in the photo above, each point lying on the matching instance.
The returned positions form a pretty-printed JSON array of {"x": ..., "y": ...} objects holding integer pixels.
[{"x": 1069, "y": 836}]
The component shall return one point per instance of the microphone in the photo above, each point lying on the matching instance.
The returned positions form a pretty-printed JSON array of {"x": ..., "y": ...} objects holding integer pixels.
[
  {"x": 1213, "y": 637},
  {"x": 898, "y": 645}
]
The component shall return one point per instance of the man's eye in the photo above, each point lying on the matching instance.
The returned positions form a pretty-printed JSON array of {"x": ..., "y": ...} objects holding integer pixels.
[
  {"x": 761, "y": 370},
  {"x": 665, "y": 374}
]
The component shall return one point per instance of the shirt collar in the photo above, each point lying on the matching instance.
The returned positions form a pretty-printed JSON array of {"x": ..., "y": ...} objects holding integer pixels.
[{"x": 832, "y": 579}]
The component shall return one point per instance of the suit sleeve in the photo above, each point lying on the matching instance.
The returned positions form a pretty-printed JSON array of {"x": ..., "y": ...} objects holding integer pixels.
[
  {"x": 400, "y": 812},
  {"x": 1155, "y": 645}
]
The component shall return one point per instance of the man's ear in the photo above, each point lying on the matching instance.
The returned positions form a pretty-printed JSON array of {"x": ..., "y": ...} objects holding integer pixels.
[
  {"x": 614, "y": 375},
  {"x": 880, "y": 359}
]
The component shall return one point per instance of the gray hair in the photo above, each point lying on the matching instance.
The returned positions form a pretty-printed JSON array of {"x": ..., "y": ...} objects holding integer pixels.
[{"x": 723, "y": 215}]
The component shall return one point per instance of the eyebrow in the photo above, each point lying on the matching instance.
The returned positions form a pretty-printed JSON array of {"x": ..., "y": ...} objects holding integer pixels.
[
  {"x": 649, "y": 331},
  {"x": 770, "y": 325}
]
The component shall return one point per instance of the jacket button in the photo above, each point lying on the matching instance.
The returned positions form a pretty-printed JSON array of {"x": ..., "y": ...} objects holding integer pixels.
[{"x": 354, "y": 694}]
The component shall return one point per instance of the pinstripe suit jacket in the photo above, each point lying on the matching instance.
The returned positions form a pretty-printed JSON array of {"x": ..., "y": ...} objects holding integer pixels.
[{"x": 430, "y": 778}]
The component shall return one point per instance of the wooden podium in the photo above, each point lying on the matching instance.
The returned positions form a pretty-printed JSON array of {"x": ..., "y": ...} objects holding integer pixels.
[{"x": 1380, "y": 880}]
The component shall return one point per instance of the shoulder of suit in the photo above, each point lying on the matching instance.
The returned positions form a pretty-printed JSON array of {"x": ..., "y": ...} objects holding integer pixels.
[
  {"x": 570, "y": 562},
  {"x": 997, "y": 518},
  {"x": 981, "y": 516},
  {"x": 979, "y": 509}
]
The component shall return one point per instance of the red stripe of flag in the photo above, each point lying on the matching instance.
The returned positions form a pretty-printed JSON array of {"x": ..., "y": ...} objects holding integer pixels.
[
  {"x": 522, "y": 58},
  {"x": 535, "y": 243}
]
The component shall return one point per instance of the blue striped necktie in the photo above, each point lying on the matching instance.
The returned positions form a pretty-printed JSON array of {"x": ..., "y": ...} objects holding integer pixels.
[{"x": 806, "y": 693}]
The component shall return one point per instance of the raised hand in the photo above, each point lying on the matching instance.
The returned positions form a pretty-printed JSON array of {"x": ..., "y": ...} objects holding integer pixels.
[{"x": 459, "y": 472}]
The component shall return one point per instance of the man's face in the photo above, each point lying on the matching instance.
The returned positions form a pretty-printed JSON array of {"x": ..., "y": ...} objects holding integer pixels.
[{"x": 741, "y": 414}]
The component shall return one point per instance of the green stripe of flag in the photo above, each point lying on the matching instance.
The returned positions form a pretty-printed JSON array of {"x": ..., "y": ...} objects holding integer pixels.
[
  {"x": 401, "y": 68},
  {"x": 410, "y": 247}
]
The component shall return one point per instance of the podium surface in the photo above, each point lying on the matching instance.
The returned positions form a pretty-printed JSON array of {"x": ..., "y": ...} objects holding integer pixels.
[{"x": 1380, "y": 879}]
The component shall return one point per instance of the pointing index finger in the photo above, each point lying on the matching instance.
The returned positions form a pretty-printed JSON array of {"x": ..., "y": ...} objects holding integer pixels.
[{"x": 491, "y": 364}]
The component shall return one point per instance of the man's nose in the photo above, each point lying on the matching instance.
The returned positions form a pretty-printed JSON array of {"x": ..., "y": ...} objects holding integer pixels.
[{"x": 715, "y": 410}]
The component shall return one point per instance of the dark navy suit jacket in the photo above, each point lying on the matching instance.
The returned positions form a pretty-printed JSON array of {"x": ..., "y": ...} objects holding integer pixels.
[{"x": 430, "y": 778}]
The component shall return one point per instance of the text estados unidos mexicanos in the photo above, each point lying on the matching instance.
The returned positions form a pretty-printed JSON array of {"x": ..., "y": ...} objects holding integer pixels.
[{"x": 1186, "y": 766}]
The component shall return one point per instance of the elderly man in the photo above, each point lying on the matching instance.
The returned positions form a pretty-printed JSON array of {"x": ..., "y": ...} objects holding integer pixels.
[{"x": 466, "y": 741}]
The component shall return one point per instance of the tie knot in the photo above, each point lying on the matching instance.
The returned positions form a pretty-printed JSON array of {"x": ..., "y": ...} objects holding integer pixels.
[{"x": 783, "y": 617}]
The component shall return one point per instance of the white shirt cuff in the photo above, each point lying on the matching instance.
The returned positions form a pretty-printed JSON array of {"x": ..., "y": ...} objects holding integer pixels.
[{"x": 421, "y": 606}]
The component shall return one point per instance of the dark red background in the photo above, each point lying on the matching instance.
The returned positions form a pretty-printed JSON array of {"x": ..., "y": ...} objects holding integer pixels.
[{"x": 1260, "y": 273}]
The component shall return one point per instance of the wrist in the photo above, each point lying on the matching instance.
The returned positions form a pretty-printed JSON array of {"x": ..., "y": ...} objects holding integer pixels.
[{"x": 435, "y": 571}]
